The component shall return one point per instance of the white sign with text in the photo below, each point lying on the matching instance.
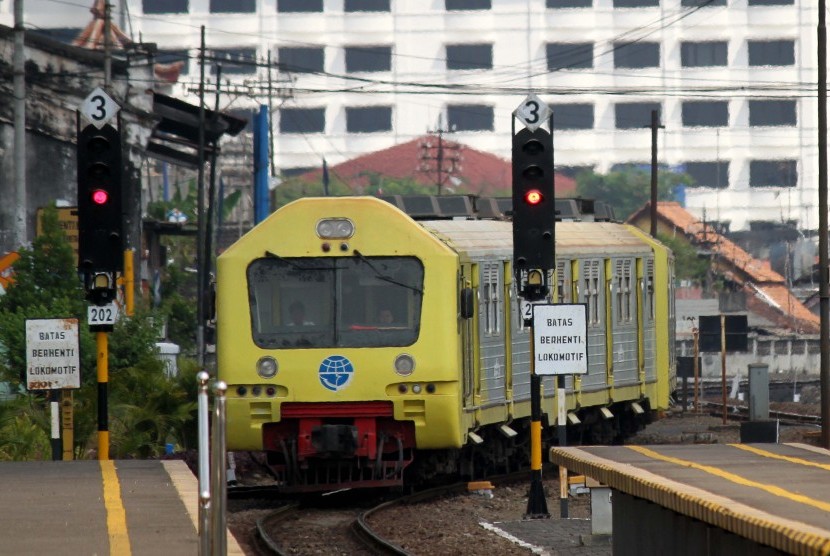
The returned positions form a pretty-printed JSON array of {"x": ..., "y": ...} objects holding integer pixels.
[
  {"x": 560, "y": 339},
  {"x": 52, "y": 358}
]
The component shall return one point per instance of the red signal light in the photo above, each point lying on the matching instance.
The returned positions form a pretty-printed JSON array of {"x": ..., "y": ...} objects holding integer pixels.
[
  {"x": 534, "y": 197},
  {"x": 100, "y": 197}
]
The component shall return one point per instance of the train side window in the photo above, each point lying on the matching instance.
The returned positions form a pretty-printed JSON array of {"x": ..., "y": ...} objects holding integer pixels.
[{"x": 491, "y": 294}]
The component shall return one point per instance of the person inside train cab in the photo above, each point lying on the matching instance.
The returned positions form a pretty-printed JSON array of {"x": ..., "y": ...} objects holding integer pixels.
[
  {"x": 296, "y": 312},
  {"x": 385, "y": 316}
]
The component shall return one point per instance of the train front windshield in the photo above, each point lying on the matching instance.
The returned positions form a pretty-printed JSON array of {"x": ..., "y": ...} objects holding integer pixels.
[{"x": 325, "y": 302}]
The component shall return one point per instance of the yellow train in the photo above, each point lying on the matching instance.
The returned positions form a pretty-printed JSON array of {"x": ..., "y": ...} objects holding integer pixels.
[{"x": 362, "y": 347}]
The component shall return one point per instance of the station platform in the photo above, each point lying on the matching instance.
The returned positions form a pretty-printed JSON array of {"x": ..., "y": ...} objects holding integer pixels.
[
  {"x": 762, "y": 498},
  {"x": 124, "y": 507}
]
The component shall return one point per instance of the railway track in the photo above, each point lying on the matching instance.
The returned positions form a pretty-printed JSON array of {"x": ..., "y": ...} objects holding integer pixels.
[{"x": 358, "y": 537}]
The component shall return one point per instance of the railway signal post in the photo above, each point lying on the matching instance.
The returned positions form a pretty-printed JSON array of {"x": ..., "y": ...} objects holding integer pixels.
[
  {"x": 533, "y": 251},
  {"x": 100, "y": 232}
]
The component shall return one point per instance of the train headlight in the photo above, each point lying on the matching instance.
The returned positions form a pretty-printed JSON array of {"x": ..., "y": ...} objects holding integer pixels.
[
  {"x": 335, "y": 228},
  {"x": 267, "y": 367},
  {"x": 404, "y": 364}
]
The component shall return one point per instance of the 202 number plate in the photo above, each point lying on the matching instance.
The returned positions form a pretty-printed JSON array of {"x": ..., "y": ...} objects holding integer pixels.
[{"x": 102, "y": 315}]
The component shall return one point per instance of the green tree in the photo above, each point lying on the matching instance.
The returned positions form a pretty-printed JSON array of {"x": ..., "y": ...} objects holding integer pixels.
[
  {"x": 688, "y": 265},
  {"x": 629, "y": 189},
  {"x": 47, "y": 286}
]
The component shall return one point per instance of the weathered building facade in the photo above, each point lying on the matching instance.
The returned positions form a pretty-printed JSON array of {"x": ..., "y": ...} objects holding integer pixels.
[{"x": 58, "y": 78}]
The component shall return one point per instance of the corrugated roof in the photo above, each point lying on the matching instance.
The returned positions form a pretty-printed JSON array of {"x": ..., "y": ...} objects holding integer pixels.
[
  {"x": 479, "y": 172},
  {"x": 766, "y": 290},
  {"x": 583, "y": 238}
]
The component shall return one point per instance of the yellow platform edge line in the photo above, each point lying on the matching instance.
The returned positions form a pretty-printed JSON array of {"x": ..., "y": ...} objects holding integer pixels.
[
  {"x": 187, "y": 486},
  {"x": 116, "y": 514},
  {"x": 771, "y": 455},
  {"x": 785, "y": 534}
]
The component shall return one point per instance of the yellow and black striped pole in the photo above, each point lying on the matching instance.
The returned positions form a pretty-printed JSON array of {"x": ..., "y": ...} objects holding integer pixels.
[
  {"x": 103, "y": 383},
  {"x": 537, "y": 505}
]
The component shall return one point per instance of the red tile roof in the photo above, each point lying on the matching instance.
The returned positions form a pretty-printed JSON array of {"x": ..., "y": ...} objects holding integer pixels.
[
  {"x": 767, "y": 291},
  {"x": 479, "y": 172}
]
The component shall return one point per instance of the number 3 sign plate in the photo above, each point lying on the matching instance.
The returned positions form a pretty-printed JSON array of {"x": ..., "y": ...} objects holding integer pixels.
[
  {"x": 533, "y": 112},
  {"x": 99, "y": 108}
]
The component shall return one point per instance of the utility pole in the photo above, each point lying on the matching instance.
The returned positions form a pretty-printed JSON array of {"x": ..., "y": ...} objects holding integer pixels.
[
  {"x": 200, "y": 203},
  {"x": 446, "y": 156},
  {"x": 824, "y": 276},
  {"x": 107, "y": 45},
  {"x": 655, "y": 125},
  {"x": 20, "y": 230}
]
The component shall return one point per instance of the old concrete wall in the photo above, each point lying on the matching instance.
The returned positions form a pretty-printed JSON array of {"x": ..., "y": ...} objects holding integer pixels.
[{"x": 58, "y": 78}]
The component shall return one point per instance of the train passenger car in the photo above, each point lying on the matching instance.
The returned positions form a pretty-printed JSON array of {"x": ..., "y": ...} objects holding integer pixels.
[{"x": 361, "y": 346}]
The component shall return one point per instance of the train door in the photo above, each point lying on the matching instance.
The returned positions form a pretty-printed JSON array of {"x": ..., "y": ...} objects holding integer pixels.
[
  {"x": 491, "y": 333},
  {"x": 623, "y": 322},
  {"x": 590, "y": 291},
  {"x": 469, "y": 279},
  {"x": 648, "y": 327}
]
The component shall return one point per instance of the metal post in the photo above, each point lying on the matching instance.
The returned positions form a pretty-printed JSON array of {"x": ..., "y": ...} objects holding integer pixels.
[
  {"x": 204, "y": 465},
  {"x": 103, "y": 384},
  {"x": 54, "y": 404},
  {"x": 537, "y": 505},
  {"x": 220, "y": 482},
  {"x": 653, "y": 208},
  {"x": 562, "y": 434},
  {"x": 19, "y": 79},
  {"x": 723, "y": 363},
  {"x": 695, "y": 363}
]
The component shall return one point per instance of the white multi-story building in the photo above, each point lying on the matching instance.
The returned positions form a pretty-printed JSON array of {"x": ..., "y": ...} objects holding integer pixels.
[{"x": 734, "y": 81}]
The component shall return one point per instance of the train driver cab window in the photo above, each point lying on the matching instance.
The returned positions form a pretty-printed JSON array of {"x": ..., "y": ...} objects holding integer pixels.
[{"x": 319, "y": 302}]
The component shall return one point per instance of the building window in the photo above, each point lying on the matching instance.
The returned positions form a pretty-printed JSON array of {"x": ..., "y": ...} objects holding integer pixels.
[
  {"x": 573, "y": 116},
  {"x": 634, "y": 115},
  {"x": 470, "y": 117},
  {"x": 458, "y": 5},
  {"x": 772, "y": 113},
  {"x": 702, "y": 3},
  {"x": 301, "y": 59},
  {"x": 366, "y": 6},
  {"x": 299, "y": 5},
  {"x": 770, "y": 2},
  {"x": 297, "y": 171},
  {"x": 234, "y": 60},
  {"x": 173, "y": 56},
  {"x": 555, "y": 4},
  {"x": 771, "y": 53},
  {"x": 570, "y": 55},
  {"x": 164, "y": 6},
  {"x": 773, "y": 173},
  {"x": 233, "y": 6},
  {"x": 368, "y": 58},
  {"x": 709, "y": 174},
  {"x": 703, "y": 54},
  {"x": 636, "y": 55},
  {"x": 302, "y": 120},
  {"x": 636, "y": 3},
  {"x": 469, "y": 56},
  {"x": 706, "y": 113},
  {"x": 369, "y": 119}
]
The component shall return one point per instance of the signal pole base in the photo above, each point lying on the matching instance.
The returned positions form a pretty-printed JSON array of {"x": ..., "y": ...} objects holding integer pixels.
[{"x": 537, "y": 505}]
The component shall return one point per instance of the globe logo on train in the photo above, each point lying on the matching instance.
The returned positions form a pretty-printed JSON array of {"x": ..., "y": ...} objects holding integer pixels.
[{"x": 335, "y": 372}]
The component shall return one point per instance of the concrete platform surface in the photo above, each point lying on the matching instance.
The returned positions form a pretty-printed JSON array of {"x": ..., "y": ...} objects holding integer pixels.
[
  {"x": 776, "y": 495},
  {"x": 126, "y": 507}
]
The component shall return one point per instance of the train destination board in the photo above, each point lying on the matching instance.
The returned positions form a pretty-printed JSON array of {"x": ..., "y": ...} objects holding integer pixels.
[
  {"x": 560, "y": 339},
  {"x": 52, "y": 359}
]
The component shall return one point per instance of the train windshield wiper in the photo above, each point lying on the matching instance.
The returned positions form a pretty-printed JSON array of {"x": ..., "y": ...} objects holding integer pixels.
[{"x": 381, "y": 276}]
